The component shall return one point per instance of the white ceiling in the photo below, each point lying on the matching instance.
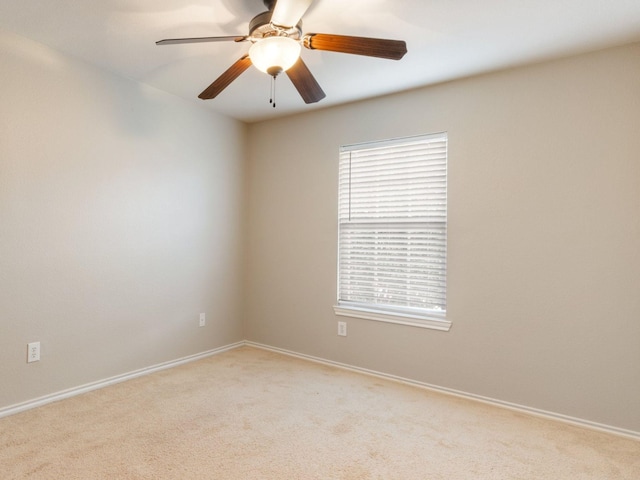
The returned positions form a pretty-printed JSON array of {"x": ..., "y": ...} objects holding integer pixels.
[{"x": 446, "y": 39}]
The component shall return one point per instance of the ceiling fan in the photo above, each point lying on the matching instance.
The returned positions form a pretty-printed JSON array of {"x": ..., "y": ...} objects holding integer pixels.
[{"x": 276, "y": 37}]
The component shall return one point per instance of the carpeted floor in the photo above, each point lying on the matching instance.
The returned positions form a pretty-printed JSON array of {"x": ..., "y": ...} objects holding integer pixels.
[{"x": 253, "y": 414}]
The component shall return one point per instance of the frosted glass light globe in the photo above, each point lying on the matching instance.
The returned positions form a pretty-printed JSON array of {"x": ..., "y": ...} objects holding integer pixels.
[{"x": 274, "y": 55}]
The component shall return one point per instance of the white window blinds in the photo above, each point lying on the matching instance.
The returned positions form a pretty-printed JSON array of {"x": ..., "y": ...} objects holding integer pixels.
[{"x": 393, "y": 225}]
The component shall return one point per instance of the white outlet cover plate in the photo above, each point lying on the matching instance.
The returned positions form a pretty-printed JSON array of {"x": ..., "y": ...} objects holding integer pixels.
[
  {"x": 33, "y": 352},
  {"x": 342, "y": 329}
]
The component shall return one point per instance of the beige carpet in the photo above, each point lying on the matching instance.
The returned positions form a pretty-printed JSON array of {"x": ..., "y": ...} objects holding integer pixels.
[{"x": 252, "y": 414}]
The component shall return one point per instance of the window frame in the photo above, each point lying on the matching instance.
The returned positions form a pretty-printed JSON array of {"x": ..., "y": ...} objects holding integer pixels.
[{"x": 404, "y": 315}]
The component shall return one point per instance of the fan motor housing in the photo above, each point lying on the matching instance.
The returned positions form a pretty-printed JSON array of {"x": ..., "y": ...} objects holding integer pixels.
[{"x": 261, "y": 27}]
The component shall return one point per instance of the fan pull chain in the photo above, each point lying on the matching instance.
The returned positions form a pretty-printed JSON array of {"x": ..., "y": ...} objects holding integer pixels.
[
  {"x": 271, "y": 89},
  {"x": 272, "y": 100}
]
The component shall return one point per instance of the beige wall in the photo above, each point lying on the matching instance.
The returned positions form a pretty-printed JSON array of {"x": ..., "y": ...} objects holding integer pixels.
[
  {"x": 120, "y": 212},
  {"x": 544, "y": 236}
]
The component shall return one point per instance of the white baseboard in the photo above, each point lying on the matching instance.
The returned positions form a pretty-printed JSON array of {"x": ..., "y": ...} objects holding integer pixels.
[
  {"x": 72, "y": 392},
  {"x": 469, "y": 396},
  {"x": 54, "y": 397}
]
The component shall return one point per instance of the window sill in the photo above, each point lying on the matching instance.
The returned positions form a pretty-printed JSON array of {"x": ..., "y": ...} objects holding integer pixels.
[{"x": 432, "y": 322}]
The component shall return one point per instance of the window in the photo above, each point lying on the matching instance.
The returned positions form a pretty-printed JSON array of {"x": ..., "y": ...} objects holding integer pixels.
[{"x": 392, "y": 242}]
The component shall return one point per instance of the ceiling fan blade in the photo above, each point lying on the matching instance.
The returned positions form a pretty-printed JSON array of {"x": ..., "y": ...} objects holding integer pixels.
[
  {"x": 287, "y": 13},
  {"x": 174, "y": 41},
  {"x": 370, "y": 47},
  {"x": 305, "y": 83},
  {"x": 226, "y": 78}
]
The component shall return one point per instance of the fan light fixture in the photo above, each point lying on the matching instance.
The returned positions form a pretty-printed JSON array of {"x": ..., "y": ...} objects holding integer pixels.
[
  {"x": 277, "y": 38},
  {"x": 274, "y": 55}
]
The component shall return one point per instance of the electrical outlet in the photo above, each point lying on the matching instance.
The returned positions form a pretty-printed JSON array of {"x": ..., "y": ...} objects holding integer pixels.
[
  {"x": 33, "y": 352},
  {"x": 203, "y": 319},
  {"x": 342, "y": 329}
]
